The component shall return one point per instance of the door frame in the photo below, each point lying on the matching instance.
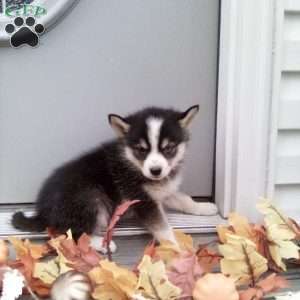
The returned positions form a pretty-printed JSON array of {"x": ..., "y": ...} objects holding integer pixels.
[
  {"x": 244, "y": 107},
  {"x": 244, "y": 110}
]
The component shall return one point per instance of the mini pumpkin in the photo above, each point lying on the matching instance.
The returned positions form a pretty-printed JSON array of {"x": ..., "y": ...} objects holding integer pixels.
[
  {"x": 215, "y": 287},
  {"x": 3, "y": 252}
]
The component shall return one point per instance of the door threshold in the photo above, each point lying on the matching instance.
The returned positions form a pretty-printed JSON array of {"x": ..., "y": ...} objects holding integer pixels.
[{"x": 187, "y": 223}]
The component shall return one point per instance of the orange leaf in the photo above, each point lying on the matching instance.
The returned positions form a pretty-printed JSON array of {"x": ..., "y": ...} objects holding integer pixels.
[
  {"x": 3, "y": 252},
  {"x": 208, "y": 259},
  {"x": 81, "y": 256},
  {"x": 39, "y": 287},
  {"x": 119, "y": 211}
]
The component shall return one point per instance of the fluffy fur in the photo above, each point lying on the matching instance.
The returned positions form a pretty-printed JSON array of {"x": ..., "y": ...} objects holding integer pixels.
[{"x": 143, "y": 163}]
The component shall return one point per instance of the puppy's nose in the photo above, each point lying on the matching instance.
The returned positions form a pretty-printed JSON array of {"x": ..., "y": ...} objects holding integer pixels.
[{"x": 155, "y": 171}]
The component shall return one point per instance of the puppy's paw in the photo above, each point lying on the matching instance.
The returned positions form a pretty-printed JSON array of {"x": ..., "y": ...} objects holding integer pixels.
[
  {"x": 71, "y": 286},
  {"x": 205, "y": 209},
  {"x": 97, "y": 242}
]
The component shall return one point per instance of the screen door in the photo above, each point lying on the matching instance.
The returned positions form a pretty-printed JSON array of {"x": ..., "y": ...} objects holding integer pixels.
[{"x": 106, "y": 57}]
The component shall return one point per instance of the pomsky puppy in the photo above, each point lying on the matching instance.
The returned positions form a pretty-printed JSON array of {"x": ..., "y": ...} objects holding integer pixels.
[{"x": 142, "y": 163}]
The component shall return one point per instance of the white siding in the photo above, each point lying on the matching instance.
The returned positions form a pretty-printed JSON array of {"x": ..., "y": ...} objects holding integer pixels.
[{"x": 287, "y": 146}]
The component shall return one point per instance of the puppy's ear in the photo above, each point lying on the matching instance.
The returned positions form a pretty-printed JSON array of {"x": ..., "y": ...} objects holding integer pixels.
[
  {"x": 120, "y": 126},
  {"x": 187, "y": 116}
]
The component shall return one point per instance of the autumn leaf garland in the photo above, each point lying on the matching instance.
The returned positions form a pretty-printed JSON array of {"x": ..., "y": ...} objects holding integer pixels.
[{"x": 167, "y": 272}]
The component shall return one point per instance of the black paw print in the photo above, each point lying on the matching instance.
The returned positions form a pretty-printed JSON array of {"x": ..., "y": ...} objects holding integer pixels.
[{"x": 24, "y": 32}]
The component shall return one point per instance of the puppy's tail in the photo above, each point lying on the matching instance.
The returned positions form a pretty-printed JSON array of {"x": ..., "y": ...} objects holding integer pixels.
[{"x": 21, "y": 222}]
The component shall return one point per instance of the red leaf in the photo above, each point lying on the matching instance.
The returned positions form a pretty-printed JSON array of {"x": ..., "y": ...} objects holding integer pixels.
[{"x": 120, "y": 211}]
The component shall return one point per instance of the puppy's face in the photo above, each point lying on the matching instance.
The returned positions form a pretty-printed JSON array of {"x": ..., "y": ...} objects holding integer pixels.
[{"x": 155, "y": 139}]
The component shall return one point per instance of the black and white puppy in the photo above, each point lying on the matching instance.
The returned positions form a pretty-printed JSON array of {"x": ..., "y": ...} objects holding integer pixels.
[{"x": 143, "y": 163}]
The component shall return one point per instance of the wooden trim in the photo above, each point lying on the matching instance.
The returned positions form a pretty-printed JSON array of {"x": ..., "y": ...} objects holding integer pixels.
[
  {"x": 276, "y": 84},
  {"x": 244, "y": 100}
]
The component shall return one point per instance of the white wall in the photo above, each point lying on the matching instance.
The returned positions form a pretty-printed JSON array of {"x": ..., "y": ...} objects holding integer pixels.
[
  {"x": 287, "y": 113},
  {"x": 106, "y": 56}
]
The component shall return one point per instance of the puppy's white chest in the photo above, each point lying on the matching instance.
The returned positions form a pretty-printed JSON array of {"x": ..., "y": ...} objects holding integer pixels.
[{"x": 160, "y": 192}]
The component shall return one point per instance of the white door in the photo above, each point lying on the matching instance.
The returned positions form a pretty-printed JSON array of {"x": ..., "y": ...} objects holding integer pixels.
[{"x": 106, "y": 57}]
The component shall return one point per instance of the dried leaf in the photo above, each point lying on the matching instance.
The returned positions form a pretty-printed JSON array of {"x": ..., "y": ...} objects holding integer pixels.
[
  {"x": 3, "y": 252},
  {"x": 280, "y": 234},
  {"x": 25, "y": 265},
  {"x": 238, "y": 225},
  {"x": 241, "y": 225},
  {"x": 23, "y": 248},
  {"x": 55, "y": 243},
  {"x": 153, "y": 282},
  {"x": 48, "y": 271},
  {"x": 208, "y": 259},
  {"x": 112, "y": 282},
  {"x": 272, "y": 283},
  {"x": 119, "y": 211},
  {"x": 125, "y": 279},
  {"x": 241, "y": 260},
  {"x": 223, "y": 231},
  {"x": 167, "y": 251},
  {"x": 184, "y": 272},
  {"x": 215, "y": 287},
  {"x": 81, "y": 256},
  {"x": 263, "y": 247}
]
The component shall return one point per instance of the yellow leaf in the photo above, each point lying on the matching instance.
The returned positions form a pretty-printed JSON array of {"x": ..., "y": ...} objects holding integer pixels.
[
  {"x": 126, "y": 280},
  {"x": 166, "y": 251},
  {"x": 112, "y": 281},
  {"x": 47, "y": 271},
  {"x": 280, "y": 234},
  {"x": 106, "y": 287},
  {"x": 23, "y": 248},
  {"x": 222, "y": 233},
  {"x": 61, "y": 259},
  {"x": 184, "y": 241},
  {"x": 19, "y": 247},
  {"x": 241, "y": 225},
  {"x": 241, "y": 260},
  {"x": 153, "y": 282},
  {"x": 274, "y": 216}
]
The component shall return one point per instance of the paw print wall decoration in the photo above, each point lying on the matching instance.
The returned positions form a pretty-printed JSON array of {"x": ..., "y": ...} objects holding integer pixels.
[
  {"x": 24, "y": 32},
  {"x": 22, "y": 22}
]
